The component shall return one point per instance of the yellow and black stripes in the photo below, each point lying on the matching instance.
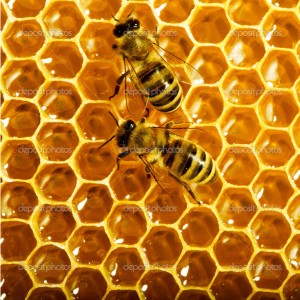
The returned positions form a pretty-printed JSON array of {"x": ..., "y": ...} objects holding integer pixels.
[
  {"x": 161, "y": 87},
  {"x": 189, "y": 162}
]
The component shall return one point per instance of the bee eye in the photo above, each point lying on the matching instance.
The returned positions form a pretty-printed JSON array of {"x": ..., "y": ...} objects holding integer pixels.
[
  {"x": 129, "y": 125},
  {"x": 135, "y": 24},
  {"x": 119, "y": 31}
]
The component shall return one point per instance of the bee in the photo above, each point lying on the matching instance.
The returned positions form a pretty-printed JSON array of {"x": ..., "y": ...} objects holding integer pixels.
[
  {"x": 162, "y": 150},
  {"x": 152, "y": 76}
]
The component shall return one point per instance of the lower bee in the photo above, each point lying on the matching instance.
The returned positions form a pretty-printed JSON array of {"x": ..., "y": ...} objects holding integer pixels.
[
  {"x": 145, "y": 64},
  {"x": 163, "y": 151}
]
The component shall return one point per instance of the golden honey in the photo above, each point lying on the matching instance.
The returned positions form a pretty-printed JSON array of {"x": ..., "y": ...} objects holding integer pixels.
[{"x": 74, "y": 226}]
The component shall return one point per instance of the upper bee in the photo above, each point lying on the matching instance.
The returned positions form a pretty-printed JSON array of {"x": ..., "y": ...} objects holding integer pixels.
[{"x": 127, "y": 26}]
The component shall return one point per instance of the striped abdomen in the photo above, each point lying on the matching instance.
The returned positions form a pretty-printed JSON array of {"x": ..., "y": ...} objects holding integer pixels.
[
  {"x": 189, "y": 162},
  {"x": 161, "y": 87}
]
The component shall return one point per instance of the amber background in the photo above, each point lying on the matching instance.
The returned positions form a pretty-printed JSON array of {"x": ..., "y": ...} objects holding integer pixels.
[{"x": 74, "y": 227}]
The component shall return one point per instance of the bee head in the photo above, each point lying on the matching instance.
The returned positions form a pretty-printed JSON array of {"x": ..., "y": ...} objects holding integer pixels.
[
  {"x": 129, "y": 25},
  {"x": 125, "y": 132}
]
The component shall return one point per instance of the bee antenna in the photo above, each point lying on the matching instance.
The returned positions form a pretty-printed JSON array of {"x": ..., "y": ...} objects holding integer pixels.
[
  {"x": 130, "y": 13},
  {"x": 115, "y": 18},
  {"x": 106, "y": 142},
  {"x": 114, "y": 118}
]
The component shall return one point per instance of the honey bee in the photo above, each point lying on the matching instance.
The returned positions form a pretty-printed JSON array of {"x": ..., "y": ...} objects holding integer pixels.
[
  {"x": 152, "y": 76},
  {"x": 163, "y": 151}
]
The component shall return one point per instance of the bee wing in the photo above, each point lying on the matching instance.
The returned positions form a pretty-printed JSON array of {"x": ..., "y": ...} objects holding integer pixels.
[
  {"x": 175, "y": 62},
  {"x": 136, "y": 102},
  {"x": 166, "y": 179}
]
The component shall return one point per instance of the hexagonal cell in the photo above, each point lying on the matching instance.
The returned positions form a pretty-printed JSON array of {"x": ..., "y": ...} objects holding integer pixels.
[
  {"x": 19, "y": 159},
  {"x": 97, "y": 40},
  {"x": 197, "y": 220},
  {"x": 57, "y": 141},
  {"x": 238, "y": 165},
  {"x": 130, "y": 182},
  {"x": 122, "y": 295},
  {"x": 162, "y": 246},
  {"x": 16, "y": 283},
  {"x": 47, "y": 293},
  {"x": 157, "y": 285},
  {"x": 59, "y": 100},
  {"x": 236, "y": 207},
  {"x": 18, "y": 200},
  {"x": 245, "y": 47},
  {"x": 270, "y": 230},
  {"x": 3, "y": 17},
  {"x": 242, "y": 87},
  {"x": 17, "y": 239},
  {"x": 24, "y": 38},
  {"x": 265, "y": 296},
  {"x": 210, "y": 63},
  {"x": 92, "y": 202},
  {"x": 125, "y": 266},
  {"x": 96, "y": 79},
  {"x": 175, "y": 40},
  {"x": 20, "y": 118},
  {"x": 23, "y": 9},
  {"x": 231, "y": 285},
  {"x": 172, "y": 12},
  {"x": 162, "y": 207},
  {"x": 56, "y": 181},
  {"x": 85, "y": 283},
  {"x": 143, "y": 12},
  {"x": 204, "y": 104},
  {"x": 247, "y": 12},
  {"x": 280, "y": 69},
  {"x": 292, "y": 252},
  {"x": 240, "y": 125},
  {"x": 291, "y": 289},
  {"x": 95, "y": 121},
  {"x": 55, "y": 223},
  {"x": 233, "y": 249},
  {"x": 50, "y": 264},
  {"x": 196, "y": 268},
  {"x": 193, "y": 295},
  {"x": 278, "y": 108},
  {"x": 100, "y": 9},
  {"x": 282, "y": 29},
  {"x": 89, "y": 158},
  {"x": 127, "y": 224},
  {"x": 272, "y": 189},
  {"x": 209, "y": 24},
  {"x": 294, "y": 212},
  {"x": 268, "y": 270},
  {"x": 296, "y": 132},
  {"x": 89, "y": 245},
  {"x": 294, "y": 171},
  {"x": 62, "y": 59},
  {"x": 208, "y": 193},
  {"x": 22, "y": 78},
  {"x": 274, "y": 148},
  {"x": 63, "y": 19}
]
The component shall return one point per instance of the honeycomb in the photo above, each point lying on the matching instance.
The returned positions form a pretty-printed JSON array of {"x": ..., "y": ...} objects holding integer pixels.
[{"x": 76, "y": 227}]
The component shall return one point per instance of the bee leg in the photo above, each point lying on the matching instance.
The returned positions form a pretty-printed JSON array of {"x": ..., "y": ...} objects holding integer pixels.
[
  {"x": 119, "y": 82},
  {"x": 121, "y": 155},
  {"x": 148, "y": 172},
  {"x": 169, "y": 124},
  {"x": 156, "y": 35}
]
